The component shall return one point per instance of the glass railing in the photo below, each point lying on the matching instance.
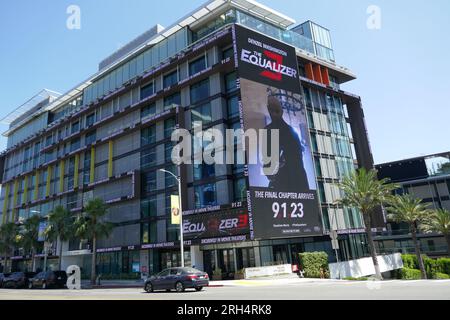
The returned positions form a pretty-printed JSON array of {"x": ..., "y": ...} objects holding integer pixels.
[
  {"x": 324, "y": 52},
  {"x": 287, "y": 36}
]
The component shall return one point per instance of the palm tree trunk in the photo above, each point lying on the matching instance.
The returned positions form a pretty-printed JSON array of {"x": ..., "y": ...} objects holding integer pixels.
[
  {"x": 60, "y": 253},
  {"x": 33, "y": 261},
  {"x": 418, "y": 254},
  {"x": 372, "y": 249},
  {"x": 94, "y": 259}
]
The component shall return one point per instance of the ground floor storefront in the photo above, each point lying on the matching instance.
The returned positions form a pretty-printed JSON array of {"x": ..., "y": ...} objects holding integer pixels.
[
  {"x": 224, "y": 258},
  {"x": 229, "y": 258}
]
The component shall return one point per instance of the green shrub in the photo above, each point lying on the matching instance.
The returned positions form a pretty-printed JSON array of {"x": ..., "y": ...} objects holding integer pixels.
[
  {"x": 410, "y": 261},
  {"x": 313, "y": 262},
  {"x": 409, "y": 274},
  {"x": 439, "y": 275},
  {"x": 443, "y": 265},
  {"x": 431, "y": 266}
]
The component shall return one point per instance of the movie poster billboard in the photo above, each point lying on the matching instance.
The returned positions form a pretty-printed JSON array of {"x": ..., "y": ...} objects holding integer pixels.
[
  {"x": 215, "y": 225},
  {"x": 282, "y": 196}
]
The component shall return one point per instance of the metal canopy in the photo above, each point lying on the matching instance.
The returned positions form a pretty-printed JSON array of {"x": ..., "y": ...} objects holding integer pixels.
[{"x": 27, "y": 106}]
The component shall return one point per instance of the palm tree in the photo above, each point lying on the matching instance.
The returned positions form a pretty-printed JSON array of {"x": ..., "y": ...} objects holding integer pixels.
[
  {"x": 408, "y": 209},
  {"x": 439, "y": 221},
  {"x": 28, "y": 237},
  {"x": 8, "y": 240},
  {"x": 90, "y": 225},
  {"x": 60, "y": 228},
  {"x": 362, "y": 190}
]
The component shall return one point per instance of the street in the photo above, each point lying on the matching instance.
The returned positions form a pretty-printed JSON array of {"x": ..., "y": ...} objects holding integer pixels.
[{"x": 299, "y": 289}]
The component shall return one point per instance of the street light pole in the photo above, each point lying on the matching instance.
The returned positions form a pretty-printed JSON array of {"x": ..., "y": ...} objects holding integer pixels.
[{"x": 181, "y": 214}]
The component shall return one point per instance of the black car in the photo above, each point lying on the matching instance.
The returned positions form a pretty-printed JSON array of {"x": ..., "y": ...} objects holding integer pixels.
[
  {"x": 48, "y": 279},
  {"x": 18, "y": 280},
  {"x": 178, "y": 279},
  {"x": 3, "y": 276}
]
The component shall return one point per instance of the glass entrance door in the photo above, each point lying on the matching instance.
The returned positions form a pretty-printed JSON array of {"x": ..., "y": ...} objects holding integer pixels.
[{"x": 226, "y": 263}]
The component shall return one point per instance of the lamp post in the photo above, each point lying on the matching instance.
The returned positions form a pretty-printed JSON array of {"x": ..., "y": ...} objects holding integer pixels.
[{"x": 181, "y": 214}]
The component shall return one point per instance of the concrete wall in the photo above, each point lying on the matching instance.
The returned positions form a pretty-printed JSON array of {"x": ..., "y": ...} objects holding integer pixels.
[{"x": 364, "y": 267}]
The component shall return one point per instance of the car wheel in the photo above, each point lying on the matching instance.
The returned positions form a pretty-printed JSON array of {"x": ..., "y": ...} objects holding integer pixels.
[
  {"x": 44, "y": 285},
  {"x": 30, "y": 285},
  {"x": 179, "y": 286},
  {"x": 199, "y": 289},
  {"x": 168, "y": 290},
  {"x": 148, "y": 287}
]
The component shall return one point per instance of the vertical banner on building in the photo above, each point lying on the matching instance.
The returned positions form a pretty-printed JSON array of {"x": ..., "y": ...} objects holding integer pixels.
[
  {"x": 282, "y": 194},
  {"x": 175, "y": 209}
]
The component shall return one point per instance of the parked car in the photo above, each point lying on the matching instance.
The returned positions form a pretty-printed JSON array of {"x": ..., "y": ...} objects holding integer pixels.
[
  {"x": 48, "y": 279},
  {"x": 3, "y": 276},
  {"x": 18, "y": 280},
  {"x": 178, "y": 279}
]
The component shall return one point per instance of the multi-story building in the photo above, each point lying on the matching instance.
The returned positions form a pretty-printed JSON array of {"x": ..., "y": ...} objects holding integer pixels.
[
  {"x": 426, "y": 178},
  {"x": 109, "y": 137}
]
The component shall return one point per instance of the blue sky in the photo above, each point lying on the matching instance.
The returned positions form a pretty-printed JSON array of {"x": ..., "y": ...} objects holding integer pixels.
[{"x": 403, "y": 69}]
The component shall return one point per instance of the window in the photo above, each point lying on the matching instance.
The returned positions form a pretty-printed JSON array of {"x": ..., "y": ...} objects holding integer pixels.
[
  {"x": 228, "y": 53},
  {"x": 168, "y": 147},
  {"x": 169, "y": 127},
  {"x": 90, "y": 119},
  {"x": 72, "y": 201},
  {"x": 240, "y": 190},
  {"x": 75, "y": 127},
  {"x": 203, "y": 171},
  {"x": 87, "y": 168},
  {"x": 147, "y": 91},
  {"x": 148, "y": 135},
  {"x": 71, "y": 173},
  {"x": 201, "y": 114},
  {"x": 233, "y": 107},
  {"x": 170, "y": 79},
  {"x": 149, "y": 110},
  {"x": 205, "y": 196},
  {"x": 170, "y": 181},
  {"x": 75, "y": 144},
  {"x": 148, "y": 158},
  {"x": 91, "y": 137},
  {"x": 149, "y": 207},
  {"x": 50, "y": 156},
  {"x": 197, "y": 66},
  {"x": 200, "y": 91},
  {"x": 148, "y": 182},
  {"x": 172, "y": 100},
  {"x": 48, "y": 141},
  {"x": 230, "y": 82}
]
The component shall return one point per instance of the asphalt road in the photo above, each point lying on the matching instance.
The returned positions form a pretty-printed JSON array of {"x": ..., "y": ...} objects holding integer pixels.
[{"x": 314, "y": 290}]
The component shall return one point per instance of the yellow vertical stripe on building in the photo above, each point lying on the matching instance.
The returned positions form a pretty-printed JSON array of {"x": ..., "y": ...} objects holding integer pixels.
[
  {"x": 110, "y": 158},
  {"x": 25, "y": 190},
  {"x": 16, "y": 191},
  {"x": 61, "y": 175},
  {"x": 5, "y": 205},
  {"x": 92, "y": 171},
  {"x": 75, "y": 175},
  {"x": 48, "y": 182},
  {"x": 36, "y": 186}
]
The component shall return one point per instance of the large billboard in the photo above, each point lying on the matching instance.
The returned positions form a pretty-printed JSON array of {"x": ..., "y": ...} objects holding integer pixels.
[
  {"x": 215, "y": 225},
  {"x": 282, "y": 198}
]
